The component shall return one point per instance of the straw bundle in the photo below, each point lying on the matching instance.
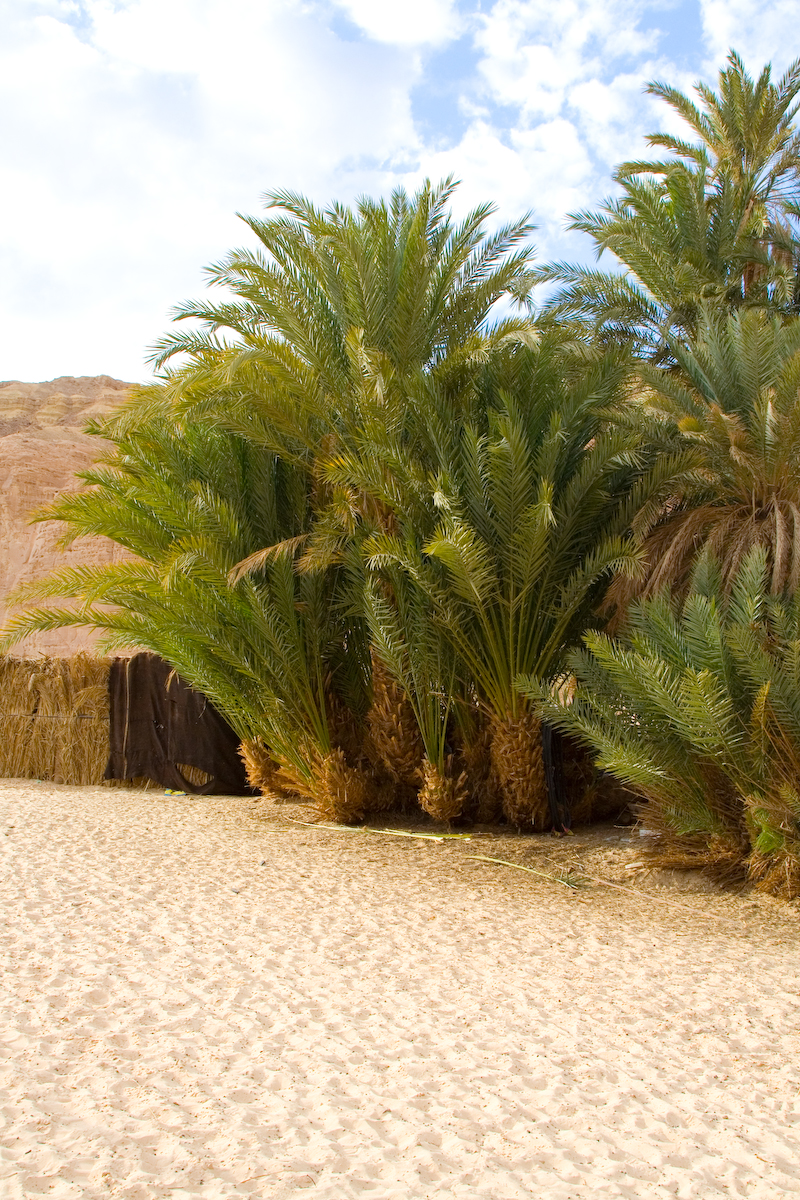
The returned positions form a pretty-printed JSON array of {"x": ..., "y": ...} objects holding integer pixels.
[
  {"x": 17, "y": 707},
  {"x": 194, "y": 775},
  {"x": 55, "y": 718}
]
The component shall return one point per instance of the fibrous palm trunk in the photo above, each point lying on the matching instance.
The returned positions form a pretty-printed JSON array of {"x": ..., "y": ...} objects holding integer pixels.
[
  {"x": 382, "y": 794},
  {"x": 443, "y": 794},
  {"x": 341, "y": 793},
  {"x": 394, "y": 737},
  {"x": 517, "y": 758},
  {"x": 336, "y": 790}
]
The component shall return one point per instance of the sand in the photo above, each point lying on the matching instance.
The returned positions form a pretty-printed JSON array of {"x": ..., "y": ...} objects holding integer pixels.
[{"x": 201, "y": 999}]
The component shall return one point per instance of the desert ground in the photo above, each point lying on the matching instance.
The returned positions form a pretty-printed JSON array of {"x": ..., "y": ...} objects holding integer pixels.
[{"x": 201, "y": 998}]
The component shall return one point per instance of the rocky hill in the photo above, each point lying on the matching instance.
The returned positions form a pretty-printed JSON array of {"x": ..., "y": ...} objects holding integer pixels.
[{"x": 42, "y": 446}]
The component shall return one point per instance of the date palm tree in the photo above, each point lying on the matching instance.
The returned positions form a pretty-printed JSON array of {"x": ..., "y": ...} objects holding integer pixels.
[
  {"x": 348, "y": 330},
  {"x": 715, "y": 220},
  {"x": 728, "y": 476},
  {"x": 697, "y": 710},
  {"x": 188, "y": 500},
  {"x": 230, "y": 471},
  {"x": 529, "y": 526}
]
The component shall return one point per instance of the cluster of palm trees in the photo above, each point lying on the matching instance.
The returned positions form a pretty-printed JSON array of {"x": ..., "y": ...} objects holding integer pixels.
[{"x": 373, "y": 521}]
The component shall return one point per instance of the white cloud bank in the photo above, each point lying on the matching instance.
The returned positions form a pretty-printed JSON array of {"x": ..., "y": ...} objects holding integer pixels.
[
  {"x": 130, "y": 142},
  {"x": 134, "y": 129}
]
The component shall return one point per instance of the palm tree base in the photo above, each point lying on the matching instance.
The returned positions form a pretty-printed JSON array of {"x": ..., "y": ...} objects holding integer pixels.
[
  {"x": 443, "y": 795},
  {"x": 341, "y": 793},
  {"x": 261, "y": 769},
  {"x": 486, "y": 795}
]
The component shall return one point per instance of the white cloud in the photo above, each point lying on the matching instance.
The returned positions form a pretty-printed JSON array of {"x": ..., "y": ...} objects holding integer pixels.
[
  {"x": 536, "y": 51},
  {"x": 761, "y": 32},
  {"x": 573, "y": 74},
  {"x": 544, "y": 170},
  {"x": 405, "y": 22},
  {"x": 616, "y": 116}
]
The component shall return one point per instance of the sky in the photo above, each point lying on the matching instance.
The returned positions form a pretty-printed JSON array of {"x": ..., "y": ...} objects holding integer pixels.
[{"x": 133, "y": 131}]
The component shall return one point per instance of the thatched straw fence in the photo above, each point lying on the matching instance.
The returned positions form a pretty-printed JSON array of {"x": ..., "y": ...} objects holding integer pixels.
[{"x": 54, "y": 721}]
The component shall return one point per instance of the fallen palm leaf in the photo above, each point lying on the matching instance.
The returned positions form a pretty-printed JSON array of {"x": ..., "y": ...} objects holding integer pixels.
[
  {"x": 431, "y": 837},
  {"x": 568, "y": 883},
  {"x": 426, "y": 837}
]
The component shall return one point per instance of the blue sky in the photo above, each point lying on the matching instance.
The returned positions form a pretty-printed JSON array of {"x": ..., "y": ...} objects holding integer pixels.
[{"x": 133, "y": 130}]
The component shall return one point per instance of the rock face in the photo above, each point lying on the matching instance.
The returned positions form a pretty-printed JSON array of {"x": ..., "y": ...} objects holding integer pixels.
[{"x": 42, "y": 446}]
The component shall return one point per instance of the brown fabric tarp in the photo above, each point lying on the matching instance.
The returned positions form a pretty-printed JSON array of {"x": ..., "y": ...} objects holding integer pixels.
[{"x": 158, "y": 722}]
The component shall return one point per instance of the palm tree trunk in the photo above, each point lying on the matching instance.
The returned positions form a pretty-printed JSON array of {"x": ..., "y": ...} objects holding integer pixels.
[
  {"x": 337, "y": 791},
  {"x": 484, "y": 784},
  {"x": 516, "y": 753},
  {"x": 394, "y": 737},
  {"x": 341, "y": 793}
]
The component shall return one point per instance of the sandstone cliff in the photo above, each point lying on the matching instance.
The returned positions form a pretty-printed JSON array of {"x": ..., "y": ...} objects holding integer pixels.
[{"x": 42, "y": 446}]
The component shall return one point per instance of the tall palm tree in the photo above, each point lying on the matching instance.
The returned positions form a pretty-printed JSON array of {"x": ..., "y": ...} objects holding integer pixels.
[
  {"x": 727, "y": 418},
  {"x": 396, "y": 285},
  {"x": 715, "y": 220},
  {"x": 350, "y": 329},
  {"x": 746, "y": 129}
]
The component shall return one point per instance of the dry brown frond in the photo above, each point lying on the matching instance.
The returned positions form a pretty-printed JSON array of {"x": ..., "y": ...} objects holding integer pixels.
[
  {"x": 262, "y": 771},
  {"x": 776, "y": 816},
  {"x": 718, "y": 858},
  {"x": 720, "y": 850},
  {"x": 777, "y": 874},
  {"x": 260, "y": 558},
  {"x": 730, "y": 531}
]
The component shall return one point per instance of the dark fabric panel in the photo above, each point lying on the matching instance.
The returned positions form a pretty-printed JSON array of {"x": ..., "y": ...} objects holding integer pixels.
[
  {"x": 552, "y": 753},
  {"x": 157, "y": 721}
]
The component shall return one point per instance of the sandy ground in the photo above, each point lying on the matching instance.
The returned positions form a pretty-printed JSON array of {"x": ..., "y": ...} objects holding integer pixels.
[{"x": 201, "y": 999}]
